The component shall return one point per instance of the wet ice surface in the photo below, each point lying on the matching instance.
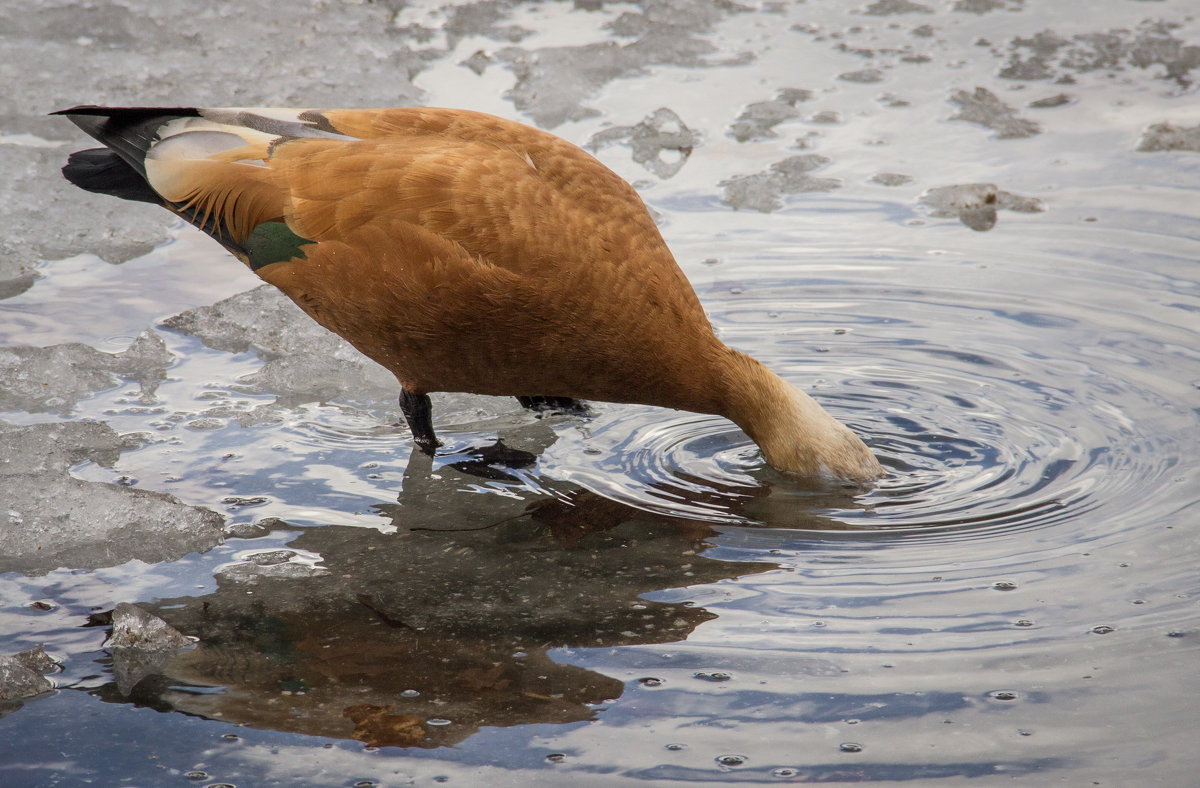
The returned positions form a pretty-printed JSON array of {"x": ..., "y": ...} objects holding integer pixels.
[{"x": 966, "y": 227}]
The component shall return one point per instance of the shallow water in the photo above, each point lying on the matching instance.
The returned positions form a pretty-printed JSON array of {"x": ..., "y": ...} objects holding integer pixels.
[{"x": 633, "y": 596}]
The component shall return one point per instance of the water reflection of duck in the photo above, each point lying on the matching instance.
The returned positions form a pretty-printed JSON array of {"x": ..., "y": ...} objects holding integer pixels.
[
  {"x": 463, "y": 252},
  {"x": 464, "y": 632}
]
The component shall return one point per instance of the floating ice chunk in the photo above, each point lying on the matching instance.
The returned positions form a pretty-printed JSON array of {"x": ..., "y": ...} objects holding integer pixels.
[
  {"x": 662, "y": 130},
  {"x": 59, "y": 521},
  {"x": 304, "y": 361},
  {"x": 21, "y": 677},
  {"x": 54, "y": 378},
  {"x": 52, "y": 448},
  {"x": 553, "y": 82},
  {"x": 975, "y": 204},
  {"x": 890, "y": 7},
  {"x": 141, "y": 645},
  {"x": 986, "y": 109},
  {"x": 865, "y": 76},
  {"x": 757, "y": 121},
  {"x": 761, "y": 191},
  {"x": 274, "y": 564},
  {"x": 1168, "y": 136},
  {"x": 137, "y": 629},
  {"x": 50, "y": 519},
  {"x": 981, "y": 7},
  {"x": 1048, "y": 55}
]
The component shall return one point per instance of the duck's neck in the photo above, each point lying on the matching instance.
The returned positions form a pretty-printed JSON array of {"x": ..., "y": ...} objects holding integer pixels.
[{"x": 794, "y": 432}]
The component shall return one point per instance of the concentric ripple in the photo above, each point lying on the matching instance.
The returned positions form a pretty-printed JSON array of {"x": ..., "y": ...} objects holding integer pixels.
[{"x": 1039, "y": 414}]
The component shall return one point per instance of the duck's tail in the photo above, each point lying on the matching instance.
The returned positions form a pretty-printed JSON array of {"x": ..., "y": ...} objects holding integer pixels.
[
  {"x": 119, "y": 168},
  {"x": 210, "y": 166}
]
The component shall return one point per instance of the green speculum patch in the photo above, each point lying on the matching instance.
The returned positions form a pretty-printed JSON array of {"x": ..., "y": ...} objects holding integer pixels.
[{"x": 273, "y": 242}]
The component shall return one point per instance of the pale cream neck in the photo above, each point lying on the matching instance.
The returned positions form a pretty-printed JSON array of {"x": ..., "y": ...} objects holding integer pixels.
[{"x": 794, "y": 432}]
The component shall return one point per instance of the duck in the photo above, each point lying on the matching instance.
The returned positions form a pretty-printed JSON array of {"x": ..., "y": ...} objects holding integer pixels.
[{"x": 463, "y": 252}]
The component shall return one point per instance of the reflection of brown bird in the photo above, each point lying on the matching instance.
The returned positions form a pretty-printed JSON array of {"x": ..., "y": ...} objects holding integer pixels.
[{"x": 463, "y": 252}]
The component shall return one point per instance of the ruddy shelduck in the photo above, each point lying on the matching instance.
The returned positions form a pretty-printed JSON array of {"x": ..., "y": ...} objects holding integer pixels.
[{"x": 463, "y": 252}]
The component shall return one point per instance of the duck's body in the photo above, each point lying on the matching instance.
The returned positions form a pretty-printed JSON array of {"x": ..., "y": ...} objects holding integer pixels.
[{"x": 462, "y": 252}]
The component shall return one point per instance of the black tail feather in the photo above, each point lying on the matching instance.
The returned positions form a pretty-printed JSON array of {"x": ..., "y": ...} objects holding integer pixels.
[
  {"x": 129, "y": 131},
  {"x": 102, "y": 171},
  {"x": 120, "y": 169}
]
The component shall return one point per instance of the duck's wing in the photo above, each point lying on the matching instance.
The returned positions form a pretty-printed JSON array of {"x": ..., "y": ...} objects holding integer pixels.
[{"x": 521, "y": 198}]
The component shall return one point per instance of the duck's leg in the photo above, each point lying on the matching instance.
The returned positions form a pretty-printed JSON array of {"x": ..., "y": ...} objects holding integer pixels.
[
  {"x": 418, "y": 412},
  {"x": 575, "y": 407}
]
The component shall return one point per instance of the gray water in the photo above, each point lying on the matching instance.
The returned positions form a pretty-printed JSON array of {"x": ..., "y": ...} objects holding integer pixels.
[{"x": 962, "y": 226}]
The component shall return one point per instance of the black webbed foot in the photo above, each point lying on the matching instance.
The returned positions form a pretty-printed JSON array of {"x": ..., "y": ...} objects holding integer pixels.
[
  {"x": 418, "y": 412},
  {"x": 567, "y": 405}
]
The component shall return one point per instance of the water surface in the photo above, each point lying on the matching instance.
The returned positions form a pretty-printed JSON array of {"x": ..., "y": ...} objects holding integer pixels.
[{"x": 635, "y": 596}]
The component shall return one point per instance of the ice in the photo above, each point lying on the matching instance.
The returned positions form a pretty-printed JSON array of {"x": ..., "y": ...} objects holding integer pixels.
[
  {"x": 15, "y": 276},
  {"x": 135, "y": 628},
  {"x": 304, "y": 362},
  {"x": 53, "y": 379},
  {"x": 891, "y": 178},
  {"x": 1168, "y": 136},
  {"x": 141, "y": 645},
  {"x": 758, "y": 120},
  {"x": 1048, "y": 55},
  {"x": 984, "y": 6},
  {"x": 273, "y": 564},
  {"x": 975, "y": 204},
  {"x": 53, "y": 448},
  {"x": 1050, "y": 102},
  {"x": 662, "y": 130},
  {"x": 864, "y": 76},
  {"x": 21, "y": 676},
  {"x": 891, "y": 7},
  {"x": 553, "y": 82},
  {"x": 986, "y": 109},
  {"x": 762, "y": 190},
  {"x": 482, "y": 19},
  {"x": 43, "y": 220},
  {"x": 151, "y": 56},
  {"x": 49, "y": 519}
]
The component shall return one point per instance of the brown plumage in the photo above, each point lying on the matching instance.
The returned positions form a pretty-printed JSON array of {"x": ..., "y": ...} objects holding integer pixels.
[{"x": 463, "y": 252}]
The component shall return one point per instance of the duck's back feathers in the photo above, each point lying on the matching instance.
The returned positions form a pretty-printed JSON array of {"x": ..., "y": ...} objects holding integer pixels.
[{"x": 461, "y": 250}]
